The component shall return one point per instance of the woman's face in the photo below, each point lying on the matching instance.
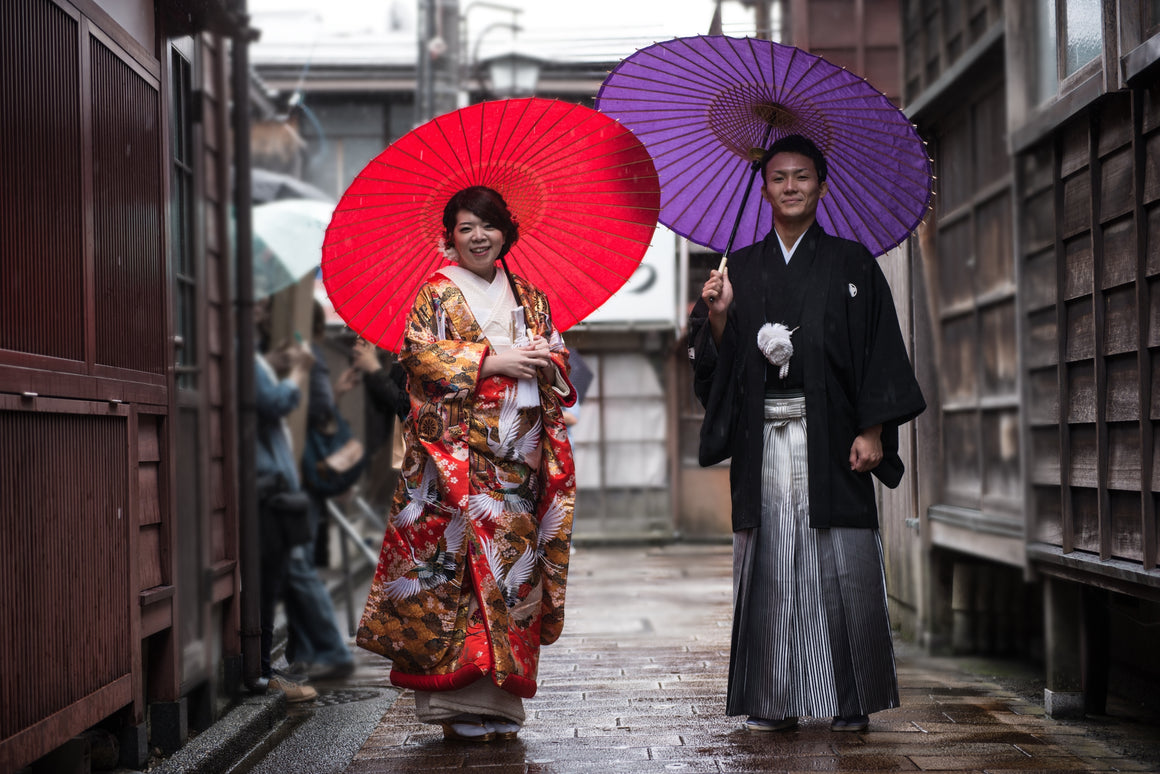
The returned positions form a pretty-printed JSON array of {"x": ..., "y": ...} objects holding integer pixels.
[{"x": 478, "y": 244}]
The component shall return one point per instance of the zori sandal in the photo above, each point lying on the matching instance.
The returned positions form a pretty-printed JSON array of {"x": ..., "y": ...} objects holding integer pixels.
[
  {"x": 467, "y": 728},
  {"x": 505, "y": 730}
]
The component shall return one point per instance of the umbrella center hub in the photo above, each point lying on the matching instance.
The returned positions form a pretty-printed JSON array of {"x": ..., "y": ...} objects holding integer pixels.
[{"x": 742, "y": 117}]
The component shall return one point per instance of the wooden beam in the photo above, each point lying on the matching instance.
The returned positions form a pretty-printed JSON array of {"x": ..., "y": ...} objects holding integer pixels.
[
  {"x": 1065, "y": 514},
  {"x": 1103, "y": 499},
  {"x": 1143, "y": 353}
]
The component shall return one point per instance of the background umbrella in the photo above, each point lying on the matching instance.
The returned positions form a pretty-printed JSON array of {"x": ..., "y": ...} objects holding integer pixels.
[
  {"x": 287, "y": 242},
  {"x": 580, "y": 373},
  {"x": 706, "y": 106},
  {"x": 268, "y": 186},
  {"x": 582, "y": 188}
]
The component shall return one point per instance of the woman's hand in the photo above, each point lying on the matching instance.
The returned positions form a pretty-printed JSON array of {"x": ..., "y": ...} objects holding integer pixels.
[
  {"x": 519, "y": 363},
  {"x": 540, "y": 346}
]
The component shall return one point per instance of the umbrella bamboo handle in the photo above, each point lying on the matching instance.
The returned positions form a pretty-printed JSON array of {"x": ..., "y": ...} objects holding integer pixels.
[
  {"x": 720, "y": 268},
  {"x": 753, "y": 169}
]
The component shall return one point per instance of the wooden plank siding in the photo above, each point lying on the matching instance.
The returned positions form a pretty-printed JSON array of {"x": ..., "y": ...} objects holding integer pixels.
[
  {"x": 937, "y": 34},
  {"x": 860, "y": 35},
  {"x": 971, "y": 264},
  {"x": 66, "y": 569},
  {"x": 1092, "y": 290}
]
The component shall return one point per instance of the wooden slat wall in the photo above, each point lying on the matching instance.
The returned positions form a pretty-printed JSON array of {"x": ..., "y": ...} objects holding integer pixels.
[
  {"x": 1146, "y": 216},
  {"x": 129, "y": 253},
  {"x": 975, "y": 307},
  {"x": 936, "y": 33},
  {"x": 42, "y": 307},
  {"x": 150, "y": 558},
  {"x": 65, "y": 567},
  {"x": 83, "y": 317},
  {"x": 220, "y": 329},
  {"x": 1090, "y": 283},
  {"x": 860, "y": 35}
]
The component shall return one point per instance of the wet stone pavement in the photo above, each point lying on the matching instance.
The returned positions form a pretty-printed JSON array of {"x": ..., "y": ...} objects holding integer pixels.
[{"x": 637, "y": 684}]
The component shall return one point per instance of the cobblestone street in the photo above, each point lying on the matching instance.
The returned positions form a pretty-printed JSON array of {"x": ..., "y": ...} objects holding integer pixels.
[{"x": 637, "y": 684}]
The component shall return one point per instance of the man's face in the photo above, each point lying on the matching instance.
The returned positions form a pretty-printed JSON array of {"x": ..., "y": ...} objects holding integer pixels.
[{"x": 792, "y": 188}]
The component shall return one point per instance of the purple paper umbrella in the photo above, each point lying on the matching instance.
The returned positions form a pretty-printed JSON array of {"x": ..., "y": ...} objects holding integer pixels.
[{"x": 705, "y": 107}]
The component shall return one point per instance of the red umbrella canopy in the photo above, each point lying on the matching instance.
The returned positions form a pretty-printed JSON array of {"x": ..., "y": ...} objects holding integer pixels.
[{"x": 581, "y": 187}]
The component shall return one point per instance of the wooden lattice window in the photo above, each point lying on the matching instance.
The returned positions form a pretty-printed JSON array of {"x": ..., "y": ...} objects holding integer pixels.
[
  {"x": 976, "y": 310},
  {"x": 181, "y": 227},
  {"x": 1068, "y": 45}
]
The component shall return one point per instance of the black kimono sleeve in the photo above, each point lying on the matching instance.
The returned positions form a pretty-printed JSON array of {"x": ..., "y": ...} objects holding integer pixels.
[
  {"x": 889, "y": 394},
  {"x": 387, "y": 389},
  {"x": 715, "y": 385}
]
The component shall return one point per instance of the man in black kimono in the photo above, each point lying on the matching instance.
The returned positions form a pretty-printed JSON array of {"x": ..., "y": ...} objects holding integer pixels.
[{"x": 799, "y": 332}]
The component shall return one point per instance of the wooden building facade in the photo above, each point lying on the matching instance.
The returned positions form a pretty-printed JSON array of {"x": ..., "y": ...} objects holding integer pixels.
[
  {"x": 119, "y": 573},
  {"x": 1041, "y": 262}
]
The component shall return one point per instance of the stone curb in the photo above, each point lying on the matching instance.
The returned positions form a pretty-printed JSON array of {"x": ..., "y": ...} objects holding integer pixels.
[
  {"x": 223, "y": 745},
  {"x": 231, "y": 738}
]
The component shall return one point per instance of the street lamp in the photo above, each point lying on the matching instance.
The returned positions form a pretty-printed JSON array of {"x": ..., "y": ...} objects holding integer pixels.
[
  {"x": 471, "y": 70},
  {"x": 512, "y": 74}
]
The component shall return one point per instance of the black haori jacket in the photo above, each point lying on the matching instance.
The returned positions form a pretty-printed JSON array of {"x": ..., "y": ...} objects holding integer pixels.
[{"x": 854, "y": 367}]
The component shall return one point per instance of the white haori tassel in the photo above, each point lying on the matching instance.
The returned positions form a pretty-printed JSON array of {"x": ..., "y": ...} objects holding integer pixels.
[
  {"x": 528, "y": 394},
  {"x": 773, "y": 341}
]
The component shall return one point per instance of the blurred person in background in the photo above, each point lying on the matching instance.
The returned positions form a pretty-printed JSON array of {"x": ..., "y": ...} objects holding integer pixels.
[
  {"x": 281, "y": 503},
  {"x": 315, "y": 648}
]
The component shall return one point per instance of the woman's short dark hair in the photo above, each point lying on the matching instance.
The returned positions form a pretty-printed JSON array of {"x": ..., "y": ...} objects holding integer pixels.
[
  {"x": 796, "y": 143},
  {"x": 487, "y": 205}
]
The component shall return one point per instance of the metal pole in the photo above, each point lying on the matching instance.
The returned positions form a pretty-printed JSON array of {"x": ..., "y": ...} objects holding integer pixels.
[
  {"x": 445, "y": 69},
  {"x": 249, "y": 538},
  {"x": 423, "y": 72}
]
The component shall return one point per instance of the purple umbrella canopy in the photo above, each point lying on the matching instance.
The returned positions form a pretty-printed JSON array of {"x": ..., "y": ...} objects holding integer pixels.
[{"x": 705, "y": 107}]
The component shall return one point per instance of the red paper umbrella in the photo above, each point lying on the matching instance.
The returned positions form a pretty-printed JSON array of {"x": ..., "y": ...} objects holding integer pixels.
[{"x": 582, "y": 188}]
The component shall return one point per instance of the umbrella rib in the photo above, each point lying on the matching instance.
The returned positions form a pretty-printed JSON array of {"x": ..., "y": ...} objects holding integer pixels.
[
  {"x": 694, "y": 72},
  {"x": 370, "y": 267},
  {"x": 571, "y": 310},
  {"x": 887, "y": 192}
]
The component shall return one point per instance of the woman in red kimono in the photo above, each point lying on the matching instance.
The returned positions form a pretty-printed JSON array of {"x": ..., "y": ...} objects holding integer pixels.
[{"x": 471, "y": 577}]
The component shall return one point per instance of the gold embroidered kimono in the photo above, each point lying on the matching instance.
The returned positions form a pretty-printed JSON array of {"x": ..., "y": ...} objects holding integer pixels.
[{"x": 471, "y": 576}]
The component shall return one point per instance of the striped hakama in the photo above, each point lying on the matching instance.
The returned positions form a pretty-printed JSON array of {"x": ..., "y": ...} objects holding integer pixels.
[{"x": 811, "y": 633}]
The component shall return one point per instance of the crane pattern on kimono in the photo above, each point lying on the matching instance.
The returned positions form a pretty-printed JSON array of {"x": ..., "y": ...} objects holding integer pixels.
[
  {"x": 502, "y": 494},
  {"x": 510, "y": 444},
  {"x": 514, "y": 577},
  {"x": 419, "y": 497},
  {"x": 549, "y": 528},
  {"x": 511, "y": 580},
  {"x": 431, "y": 573}
]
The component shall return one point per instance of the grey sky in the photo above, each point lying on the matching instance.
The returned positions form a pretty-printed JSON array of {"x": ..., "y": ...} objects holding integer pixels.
[{"x": 337, "y": 30}]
